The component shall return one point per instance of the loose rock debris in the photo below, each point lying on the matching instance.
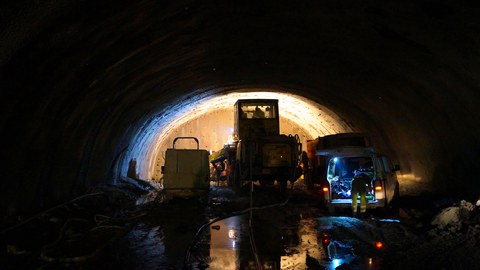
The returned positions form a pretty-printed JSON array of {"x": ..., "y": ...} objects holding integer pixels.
[{"x": 452, "y": 243}]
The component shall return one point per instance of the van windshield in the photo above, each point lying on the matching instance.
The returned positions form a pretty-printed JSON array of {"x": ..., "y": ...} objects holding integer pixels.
[{"x": 343, "y": 168}]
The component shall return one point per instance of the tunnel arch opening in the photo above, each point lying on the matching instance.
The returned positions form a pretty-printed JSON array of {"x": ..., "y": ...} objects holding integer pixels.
[{"x": 209, "y": 117}]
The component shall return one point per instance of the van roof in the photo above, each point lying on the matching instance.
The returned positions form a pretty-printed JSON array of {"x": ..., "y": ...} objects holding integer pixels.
[{"x": 347, "y": 151}]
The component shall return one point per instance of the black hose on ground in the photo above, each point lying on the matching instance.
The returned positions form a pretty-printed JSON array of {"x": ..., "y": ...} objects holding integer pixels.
[{"x": 186, "y": 261}]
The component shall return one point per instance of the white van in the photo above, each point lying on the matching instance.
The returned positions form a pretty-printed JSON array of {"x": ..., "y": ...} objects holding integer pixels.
[{"x": 333, "y": 166}]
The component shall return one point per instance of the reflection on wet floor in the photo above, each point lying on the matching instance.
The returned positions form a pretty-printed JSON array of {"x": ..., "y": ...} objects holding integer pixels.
[
  {"x": 231, "y": 248},
  {"x": 340, "y": 237},
  {"x": 310, "y": 245},
  {"x": 292, "y": 237},
  {"x": 225, "y": 240}
]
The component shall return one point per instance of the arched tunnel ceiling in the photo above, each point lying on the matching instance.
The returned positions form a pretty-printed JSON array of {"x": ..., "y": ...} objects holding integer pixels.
[
  {"x": 81, "y": 79},
  {"x": 312, "y": 119}
]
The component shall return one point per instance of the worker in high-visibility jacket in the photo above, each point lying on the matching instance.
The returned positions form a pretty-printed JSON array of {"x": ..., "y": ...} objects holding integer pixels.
[{"x": 360, "y": 183}]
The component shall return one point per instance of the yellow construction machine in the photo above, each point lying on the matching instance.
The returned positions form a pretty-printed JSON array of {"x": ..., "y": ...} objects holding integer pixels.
[{"x": 259, "y": 152}]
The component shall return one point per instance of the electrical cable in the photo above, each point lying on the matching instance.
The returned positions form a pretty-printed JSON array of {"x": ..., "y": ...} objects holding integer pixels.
[
  {"x": 254, "y": 248},
  {"x": 48, "y": 210},
  {"x": 187, "y": 264},
  {"x": 102, "y": 222},
  {"x": 250, "y": 228},
  {"x": 236, "y": 213},
  {"x": 118, "y": 231}
]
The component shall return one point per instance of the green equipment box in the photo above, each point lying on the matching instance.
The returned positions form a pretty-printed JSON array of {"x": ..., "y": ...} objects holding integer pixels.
[{"x": 186, "y": 168}]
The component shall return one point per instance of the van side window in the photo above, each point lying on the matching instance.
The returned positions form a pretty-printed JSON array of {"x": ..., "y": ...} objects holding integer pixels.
[
  {"x": 387, "y": 167},
  {"x": 380, "y": 168},
  {"x": 332, "y": 171}
]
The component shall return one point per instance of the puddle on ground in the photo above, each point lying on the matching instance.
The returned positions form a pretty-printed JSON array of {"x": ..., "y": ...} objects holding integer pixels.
[
  {"x": 278, "y": 238},
  {"x": 309, "y": 245}
]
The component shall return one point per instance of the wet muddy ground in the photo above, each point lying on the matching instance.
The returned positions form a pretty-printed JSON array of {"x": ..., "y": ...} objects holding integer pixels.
[{"x": 218, "y": 229}]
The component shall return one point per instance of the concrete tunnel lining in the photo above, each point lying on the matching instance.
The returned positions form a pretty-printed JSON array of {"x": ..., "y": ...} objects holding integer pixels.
[{"x": 152, "y": 140}]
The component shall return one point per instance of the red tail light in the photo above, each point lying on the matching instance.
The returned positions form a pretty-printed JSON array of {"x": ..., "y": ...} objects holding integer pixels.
[
  {"x": 379, "y": 245},
  {"x": 325, "y": 189},
  {"x": 326, "y": 239}
]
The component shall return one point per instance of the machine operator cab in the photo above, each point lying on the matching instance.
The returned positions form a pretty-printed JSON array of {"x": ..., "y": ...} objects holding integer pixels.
[
  {"x": 256, "y": 118},
  {"x": 262, "y": 153}
]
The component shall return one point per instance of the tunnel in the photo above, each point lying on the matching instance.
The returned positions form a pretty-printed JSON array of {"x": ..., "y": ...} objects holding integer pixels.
[{"x": 88, "y": 87}]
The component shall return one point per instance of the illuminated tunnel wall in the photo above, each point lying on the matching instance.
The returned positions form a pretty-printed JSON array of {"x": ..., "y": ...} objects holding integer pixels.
[
  {"x": 210, "y": 120},
  {"x": 87, "y": 85}
]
